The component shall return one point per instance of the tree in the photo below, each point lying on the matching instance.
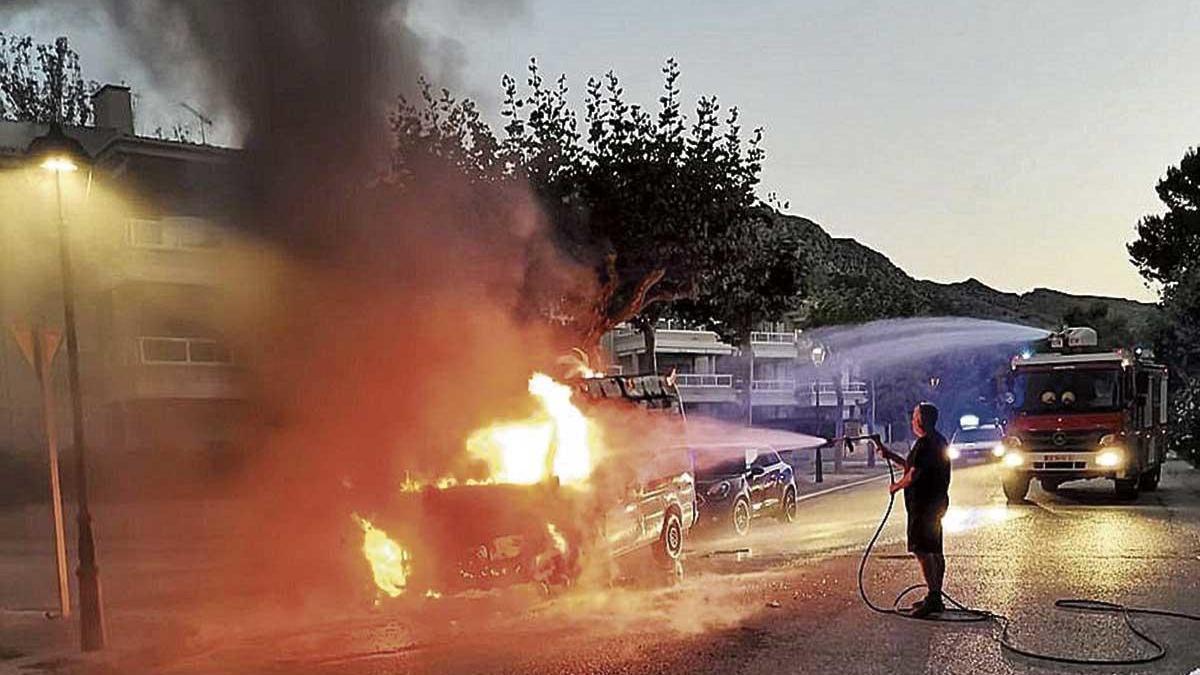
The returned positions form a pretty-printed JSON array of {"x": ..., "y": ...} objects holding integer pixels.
[
  {"x": 1167, "y": 252},
  {"x": 42, "y": 82},
  {"x": 661, "y": 207},
  {"x": 1168, "y": 245}
]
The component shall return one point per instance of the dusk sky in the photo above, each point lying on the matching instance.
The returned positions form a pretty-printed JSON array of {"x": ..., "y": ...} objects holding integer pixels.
[{"x": 1017, "y": 143}]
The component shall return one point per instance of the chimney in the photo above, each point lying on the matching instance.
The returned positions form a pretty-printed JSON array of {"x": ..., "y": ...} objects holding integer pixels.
[{"x": 114, "y": 108}]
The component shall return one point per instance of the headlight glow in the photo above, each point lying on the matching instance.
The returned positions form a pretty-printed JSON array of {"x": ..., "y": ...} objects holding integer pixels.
[
  {"x": 1110, "y": 458},
  {"x": 999, "y": 450},
  {"x": 953, "y": 452},
  {"x": 719, "y": 491},
  {"x": 1013, "y": 459}
]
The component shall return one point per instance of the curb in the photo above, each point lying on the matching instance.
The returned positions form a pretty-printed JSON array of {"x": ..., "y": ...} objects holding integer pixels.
[{"x": 843, "y": 486}]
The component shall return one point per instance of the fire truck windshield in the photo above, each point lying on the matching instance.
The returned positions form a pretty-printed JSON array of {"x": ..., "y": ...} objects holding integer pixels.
[{"x": 1084, "y": 390}]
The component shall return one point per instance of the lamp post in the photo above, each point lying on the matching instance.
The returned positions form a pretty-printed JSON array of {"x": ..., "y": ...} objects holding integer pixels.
[{"x": 58, "y": 153}]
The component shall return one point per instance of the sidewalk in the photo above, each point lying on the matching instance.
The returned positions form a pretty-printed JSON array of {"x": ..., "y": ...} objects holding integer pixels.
[{"x": 854, "y": 469}]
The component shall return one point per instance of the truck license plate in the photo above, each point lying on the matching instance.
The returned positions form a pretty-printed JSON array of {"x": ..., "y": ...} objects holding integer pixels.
[{"x": 1057, "y": 458}]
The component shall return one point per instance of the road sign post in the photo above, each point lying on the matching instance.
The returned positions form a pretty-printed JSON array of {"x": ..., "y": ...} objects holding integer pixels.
[{"x": 39, "y": 345}]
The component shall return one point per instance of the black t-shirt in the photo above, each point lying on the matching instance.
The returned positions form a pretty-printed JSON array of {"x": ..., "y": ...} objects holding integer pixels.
[{"x": 931, "y": 487}]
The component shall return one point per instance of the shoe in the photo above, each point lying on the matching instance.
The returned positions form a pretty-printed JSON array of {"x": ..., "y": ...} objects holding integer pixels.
[{"x": 928, "y": 607}]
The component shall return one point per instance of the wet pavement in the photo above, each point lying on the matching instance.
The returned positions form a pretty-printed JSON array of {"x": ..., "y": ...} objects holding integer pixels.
[{"x": 782, "y": 599}]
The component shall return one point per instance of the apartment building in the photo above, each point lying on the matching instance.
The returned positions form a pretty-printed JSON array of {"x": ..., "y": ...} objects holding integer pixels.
[
  {"x": 160, "y": 384},
  {"x": 774, "y": 381}
]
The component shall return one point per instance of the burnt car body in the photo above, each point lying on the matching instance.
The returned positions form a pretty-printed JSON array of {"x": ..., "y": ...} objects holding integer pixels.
[
  {"x": 495, "y": 535},
  {"x": 737, "y": 483}
]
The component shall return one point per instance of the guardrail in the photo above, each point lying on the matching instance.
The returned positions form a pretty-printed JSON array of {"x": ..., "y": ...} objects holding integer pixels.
[{"x": 702, "y": 380}]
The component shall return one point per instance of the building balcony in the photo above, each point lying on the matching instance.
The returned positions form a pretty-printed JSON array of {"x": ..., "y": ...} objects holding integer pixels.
[
  {"x": 773, "y": 345},
  {"x": 824, "y": 394},
  {"x": 695, "y": 388},
  {"x": 773, "y": 392},
  {"x": 628, "y": 341}
]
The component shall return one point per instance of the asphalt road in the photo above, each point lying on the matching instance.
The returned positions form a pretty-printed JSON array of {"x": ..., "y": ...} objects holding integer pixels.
[
  {"x": 782, "y": 599},
  {"x": 790, "y": 603}
]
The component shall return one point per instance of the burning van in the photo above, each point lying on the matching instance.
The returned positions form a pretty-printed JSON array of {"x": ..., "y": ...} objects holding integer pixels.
[{"x": 561, "y": 495}]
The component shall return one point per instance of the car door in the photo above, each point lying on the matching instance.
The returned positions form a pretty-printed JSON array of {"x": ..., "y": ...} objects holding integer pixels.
[
  {"x": 623, "y": 521},
  {"x": 759, "y": 476},
  {"x": 768, "y": 471}
]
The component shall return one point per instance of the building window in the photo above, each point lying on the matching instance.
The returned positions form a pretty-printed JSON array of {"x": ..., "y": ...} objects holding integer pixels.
[
  {"x": 177, "y": 233},
  {"x": 207, "y": 351},
  {"x": 183, "y": 351}
]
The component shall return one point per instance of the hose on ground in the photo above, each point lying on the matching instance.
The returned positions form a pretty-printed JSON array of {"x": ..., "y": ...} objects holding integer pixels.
[{"x": 961, "y": 613}]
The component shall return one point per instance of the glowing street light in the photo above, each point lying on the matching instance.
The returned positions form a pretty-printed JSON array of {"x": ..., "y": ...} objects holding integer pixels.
[{"x": 58, "y": 153}]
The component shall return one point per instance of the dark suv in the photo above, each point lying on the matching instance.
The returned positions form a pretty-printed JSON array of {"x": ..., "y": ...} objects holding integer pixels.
[{"x": 737, "y": 483}]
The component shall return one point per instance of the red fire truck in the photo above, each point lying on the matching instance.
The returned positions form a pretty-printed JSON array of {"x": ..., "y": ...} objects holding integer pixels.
[{"x": 1077, "y": 413}]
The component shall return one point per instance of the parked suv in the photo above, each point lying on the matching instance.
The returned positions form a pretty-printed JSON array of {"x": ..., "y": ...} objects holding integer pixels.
[{"x": 737, "y": 483}]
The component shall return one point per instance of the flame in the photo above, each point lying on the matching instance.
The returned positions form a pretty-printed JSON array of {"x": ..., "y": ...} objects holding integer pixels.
[
  {"x": 560, "y": 542},
  {"x": 390, "y": 563},
  {"x": 578, "y": 364},
  {"x": 555, "y": 442}
]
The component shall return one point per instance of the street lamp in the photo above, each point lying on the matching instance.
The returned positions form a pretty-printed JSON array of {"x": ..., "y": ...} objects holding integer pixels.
[{"x": 58, "y": 153}]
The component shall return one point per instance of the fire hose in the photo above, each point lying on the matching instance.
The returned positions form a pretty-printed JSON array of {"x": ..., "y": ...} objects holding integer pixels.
[{"x": 961, "y": 613}]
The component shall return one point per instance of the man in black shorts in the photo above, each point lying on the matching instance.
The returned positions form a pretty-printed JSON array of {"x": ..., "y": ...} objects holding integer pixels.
[{"x": 926, "y": 485}]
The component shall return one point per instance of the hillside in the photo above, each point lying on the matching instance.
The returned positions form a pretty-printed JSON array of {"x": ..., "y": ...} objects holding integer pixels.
[{"x": 851, "y": 283}]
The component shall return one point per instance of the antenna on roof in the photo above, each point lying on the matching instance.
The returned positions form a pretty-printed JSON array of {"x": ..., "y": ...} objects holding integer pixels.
[{"x": 203, "y": 119}]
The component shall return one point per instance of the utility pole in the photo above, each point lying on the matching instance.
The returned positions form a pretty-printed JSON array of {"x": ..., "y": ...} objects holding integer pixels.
[
  {"x": 839, "y": 425},
  {"x": 871, "y": 393},
  {"x": 750, "y": 387}
]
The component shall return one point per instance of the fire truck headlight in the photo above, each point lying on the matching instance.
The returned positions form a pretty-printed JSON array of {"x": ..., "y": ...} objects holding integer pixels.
[
  {"x": 998, "y": 451},
  {"x": 1113, "y": 457},
  {"x": 1108, "y": 439},
  {"x": 953, "y": 452},
  {"x": 1013, "y": 459}
]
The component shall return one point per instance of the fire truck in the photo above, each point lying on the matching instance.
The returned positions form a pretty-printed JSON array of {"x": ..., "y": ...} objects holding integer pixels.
[{"x": 1078, "y": 413}]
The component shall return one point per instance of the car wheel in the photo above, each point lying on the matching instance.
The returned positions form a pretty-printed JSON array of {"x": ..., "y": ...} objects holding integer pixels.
[
  {"x": 1127, "y": 488},
  {"x": 1016, "y": 487},
  {"x": 787, "y": 508},
  {"x": 741, "y": 516},
  {"x": 1050, "y": 485},
  {"x": 1149, "y": 480},
  {"x": 669, "y": 547}
]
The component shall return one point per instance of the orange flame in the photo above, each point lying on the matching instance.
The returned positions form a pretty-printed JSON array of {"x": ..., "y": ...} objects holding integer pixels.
[
  {"x": 557, "y": 441},
  {"x": 390, "y": 563}
]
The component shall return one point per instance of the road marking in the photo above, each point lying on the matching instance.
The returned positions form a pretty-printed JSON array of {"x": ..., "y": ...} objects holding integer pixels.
[{"x": 843, "y": 486}]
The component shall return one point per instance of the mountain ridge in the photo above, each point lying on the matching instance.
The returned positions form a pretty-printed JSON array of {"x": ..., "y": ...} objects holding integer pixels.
[{"x": 850, "y": 282}]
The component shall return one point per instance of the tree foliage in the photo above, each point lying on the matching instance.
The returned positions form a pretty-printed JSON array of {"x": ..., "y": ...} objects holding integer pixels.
[
  {"x": 661, "y": 205},
  {"x": 1168, "y": 245},
  {"x": 42, "y": 82},
  {"x": 1167, "y": 252}
]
